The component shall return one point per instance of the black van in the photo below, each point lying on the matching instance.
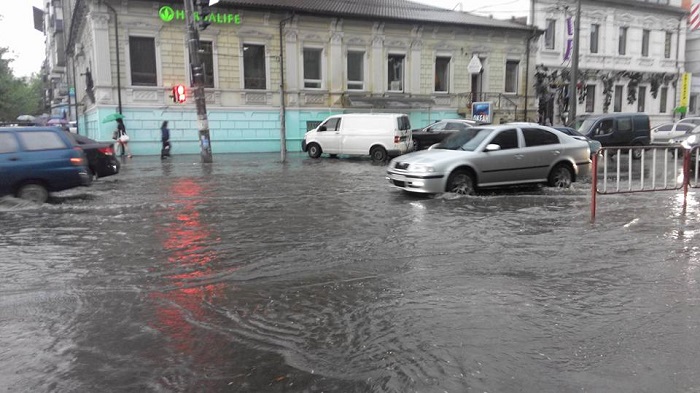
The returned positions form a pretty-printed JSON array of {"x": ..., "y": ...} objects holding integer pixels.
[{"x": 618, "y": 129}]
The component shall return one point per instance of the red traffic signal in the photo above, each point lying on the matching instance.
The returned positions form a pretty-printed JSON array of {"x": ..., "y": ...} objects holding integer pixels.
[{"x": 179, "y": 94}]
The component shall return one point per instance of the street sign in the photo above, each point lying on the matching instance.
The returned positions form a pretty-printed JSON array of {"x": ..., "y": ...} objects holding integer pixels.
[{"x": 474, "y": 66}]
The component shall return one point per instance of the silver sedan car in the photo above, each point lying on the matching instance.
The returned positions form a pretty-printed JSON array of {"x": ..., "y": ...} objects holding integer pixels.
[{"x": 493, "y": 156}]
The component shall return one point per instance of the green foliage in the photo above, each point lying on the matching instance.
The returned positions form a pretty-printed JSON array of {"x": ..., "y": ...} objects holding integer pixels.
[{"x": 18, "y": 96}]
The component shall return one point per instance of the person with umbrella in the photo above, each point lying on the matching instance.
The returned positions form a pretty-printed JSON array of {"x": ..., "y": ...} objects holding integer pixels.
[
  {"x": 123, "y": 138},
  {"x": 120, "y": 133}
]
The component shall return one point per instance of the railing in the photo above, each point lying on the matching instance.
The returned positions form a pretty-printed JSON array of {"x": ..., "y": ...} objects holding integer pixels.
[{"x": 633, "y": 169}]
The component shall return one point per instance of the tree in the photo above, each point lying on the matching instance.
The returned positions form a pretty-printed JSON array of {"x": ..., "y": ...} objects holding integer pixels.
[{"x": 18, "y": 96}]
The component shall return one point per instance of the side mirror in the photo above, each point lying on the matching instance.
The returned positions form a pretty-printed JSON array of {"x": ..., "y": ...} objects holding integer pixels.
[
  {"x": 322, "y": 128},
  {"x": 492, "y": 147}
]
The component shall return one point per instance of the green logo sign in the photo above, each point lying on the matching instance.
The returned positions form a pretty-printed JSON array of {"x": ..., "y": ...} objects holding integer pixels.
[{"x": 166, "y": 13}]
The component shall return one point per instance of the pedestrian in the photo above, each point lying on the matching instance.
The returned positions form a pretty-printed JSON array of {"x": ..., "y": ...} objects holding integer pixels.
[
  {"x": 123, "y": 138},
  {"x": 165, "y": 138}
]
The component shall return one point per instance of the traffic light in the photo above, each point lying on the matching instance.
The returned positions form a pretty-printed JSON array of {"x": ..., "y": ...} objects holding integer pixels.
[
  {"x": 179, "y": 94},
  {"x": 203, "y": 11}
]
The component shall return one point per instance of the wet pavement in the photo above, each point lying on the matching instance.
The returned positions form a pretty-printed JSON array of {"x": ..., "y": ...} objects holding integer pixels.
[{"x": 247, "y": 275}]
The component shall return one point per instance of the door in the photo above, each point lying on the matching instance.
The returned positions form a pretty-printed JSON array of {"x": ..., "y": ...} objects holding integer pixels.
[
  {"x": 328, "y": 135},
  {"x": 9, "y": 162},
  {"x": 542, "y": 149},
  {"x": 504, "y": 165}
]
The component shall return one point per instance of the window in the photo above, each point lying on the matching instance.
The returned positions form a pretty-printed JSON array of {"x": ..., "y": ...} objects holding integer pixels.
[
  {"x": 624, "y": 124},
  {"x": 142, "y": 55},
  {"x": 693, "y": 103},
  {"x": 507, "y": 139},
  {"x": 8, "y": 143},
  {"x": 41, "y": 140},
  {"x": 618, "y": 99},
  {"x": 595, "y": 31},
  {"x": 395, "y": 72},
  {"x": 356, "y": 70},
  {"x": 539, "y": 137},
  {"x": 512, "y": 76},
  {"x": 622, "y": 41},
  {"x": 312, "y": 68},
  {"x": 254, "y": 74},
  {"x": 604, "y": 127},
  {"x": 550, "y": 33},
  {"x": 641, "y": 98},
  {"x": 667, "y": 45},
  {"x": 645, "y": 42},
  {"x": 442, "y": 74},
  {"x": 206, "y": 56},
  {"x": 590, "y": 98},
  {"x": 333, "y": 124},
  {"x": 312, "y": 124},
  {"x": 663, "y": 97}
]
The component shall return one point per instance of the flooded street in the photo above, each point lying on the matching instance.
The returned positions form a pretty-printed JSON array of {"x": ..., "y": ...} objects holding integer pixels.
[{"x": 247, "y": 275}]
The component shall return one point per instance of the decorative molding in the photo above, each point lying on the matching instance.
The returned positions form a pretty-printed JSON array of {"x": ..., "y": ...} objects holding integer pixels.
[
  {"x": 378, "y": 41},
  {"x": 255, "y": 98},
  {"x": 624, "y": 20},
  {"x": 396, "y": 44},
  {"x": 337, "y": 38},
  {"x": 100, "y": 21},
  {"x": 417, "y": 44},
  {"x": 139, "y": 95},
  {"x": 622, "y": 60},
  {"x": 336, "y": 25},
  {"x": 417, "y": 31},
  {"x": 443, "y": 100},
  {"x": 254, "y": 33},
  {"x": 291, "y": 36},
  {"x": 266, "y": 19},
  {"x": 312, "y": 37},
  {"x": 314, "y": 99},
  {"x": 378, "y": 28},
  {"x": 646, "y": 62},
  {"x": 356, "y": 41}
]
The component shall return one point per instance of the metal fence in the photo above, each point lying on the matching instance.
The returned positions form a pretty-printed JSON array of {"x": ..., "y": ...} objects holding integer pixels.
[{"x": 632, "y": 169}]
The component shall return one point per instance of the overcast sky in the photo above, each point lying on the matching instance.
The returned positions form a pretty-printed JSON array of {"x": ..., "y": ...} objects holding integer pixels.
[{"x": 27, "y": 45}]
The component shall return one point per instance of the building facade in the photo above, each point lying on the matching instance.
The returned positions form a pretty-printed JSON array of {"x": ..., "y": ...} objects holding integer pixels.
[
  {"x": 323, "y": 57},
  {"x": 631, "y": 56}
]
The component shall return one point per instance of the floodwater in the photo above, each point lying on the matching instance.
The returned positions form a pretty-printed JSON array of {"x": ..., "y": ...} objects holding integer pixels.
[{"x": 247, "y": 275}]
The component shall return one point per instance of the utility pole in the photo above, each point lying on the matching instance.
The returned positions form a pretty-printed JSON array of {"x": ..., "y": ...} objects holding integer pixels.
[
  {"x": 573, "y": 99},
  {"x": 197, "y": 81}
]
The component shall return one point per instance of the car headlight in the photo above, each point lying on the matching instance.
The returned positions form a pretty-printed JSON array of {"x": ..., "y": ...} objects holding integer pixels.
[{"x": 422, "y": 168}]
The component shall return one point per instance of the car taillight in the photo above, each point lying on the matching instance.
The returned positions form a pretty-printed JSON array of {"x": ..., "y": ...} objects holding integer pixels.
[
  {"x": 78, "y": 160},
  {"x": 106, "y": 151},
  {"x": 397, "y": 139}
]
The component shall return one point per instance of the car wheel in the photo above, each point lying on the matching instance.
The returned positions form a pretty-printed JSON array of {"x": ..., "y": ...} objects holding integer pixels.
[
  {"x": 91, "y": 173},
  {"x": 378, "y": 154},
  {"x": 314, "y": 150},
  {"x": 461, "y": 182},
  {"x": 33, "y": 192},
  {"x": 561, "y": 176}
]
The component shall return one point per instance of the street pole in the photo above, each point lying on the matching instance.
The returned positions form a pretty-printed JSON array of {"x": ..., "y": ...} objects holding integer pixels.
[
  {"x": 573, "y": 99},
  {"x": 197, "y": 83}
]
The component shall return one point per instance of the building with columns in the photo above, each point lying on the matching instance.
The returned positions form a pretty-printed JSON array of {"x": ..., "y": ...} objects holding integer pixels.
[
  {"x": 631, "y": 55},
  {"x": 302, "y": 61}
]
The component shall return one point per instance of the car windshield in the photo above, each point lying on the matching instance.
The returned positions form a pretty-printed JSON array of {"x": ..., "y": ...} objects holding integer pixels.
[
  {"x": 585, "y": 125},
  {"x": 468, "y": 139}
]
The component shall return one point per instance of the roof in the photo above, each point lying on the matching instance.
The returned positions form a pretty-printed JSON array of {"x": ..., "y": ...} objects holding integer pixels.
[{"x": 399, "y": 10}]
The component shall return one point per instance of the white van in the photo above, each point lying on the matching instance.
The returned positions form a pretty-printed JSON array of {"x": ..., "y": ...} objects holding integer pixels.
[{"x": 380, "y": 136}]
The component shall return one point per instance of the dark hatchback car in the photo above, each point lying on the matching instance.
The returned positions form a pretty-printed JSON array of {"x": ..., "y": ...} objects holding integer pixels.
[
  {"x": 100, "y": 155},
  {"x": 35, "y": 161},
  {"x": 434, "y": 133}
]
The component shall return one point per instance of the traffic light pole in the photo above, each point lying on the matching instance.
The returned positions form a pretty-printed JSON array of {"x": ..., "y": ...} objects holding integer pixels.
[{"x": 197, "y": 83}]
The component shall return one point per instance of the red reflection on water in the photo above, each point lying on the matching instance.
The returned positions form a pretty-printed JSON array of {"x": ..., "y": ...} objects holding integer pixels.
[{"x": 188, "y": 243}]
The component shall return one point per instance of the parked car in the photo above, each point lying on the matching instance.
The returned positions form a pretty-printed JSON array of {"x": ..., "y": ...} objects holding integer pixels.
[
  {"x": 593, "y": 144},
  {"x": 436, "y": 132},
  {"x": 35, "y": 161},
  {"x": 380, "y": 136},
  {"x": 618, "y": 129},
  {"x": 102, "y": 161},
  {"x": 492, "y": 156},
  {"x": 664, "y": 134}
]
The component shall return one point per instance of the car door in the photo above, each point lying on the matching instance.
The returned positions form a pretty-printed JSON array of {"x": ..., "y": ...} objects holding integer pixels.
[
  {"x": 602, "y": 131},
  {"x": 9, "y": 162},
  {"x": 328, "y": 135},
  {"x": 503, "y": 165},
  {"x": 433, "y": 134},
  {"x": 542, "y": 148}
]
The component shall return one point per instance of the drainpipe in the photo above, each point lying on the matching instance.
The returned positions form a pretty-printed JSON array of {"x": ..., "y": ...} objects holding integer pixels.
[
  {"x": 116, "y": 41},
  {"x": 676, "y": 96},
  {"x": 283, "y": 110}
]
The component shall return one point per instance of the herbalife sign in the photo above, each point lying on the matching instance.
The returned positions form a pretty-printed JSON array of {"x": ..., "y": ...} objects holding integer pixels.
[{"x": 169, "y": 14}]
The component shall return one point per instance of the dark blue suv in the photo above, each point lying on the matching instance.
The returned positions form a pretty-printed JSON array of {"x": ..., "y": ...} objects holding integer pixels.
[{"x": 37, "y": 160}]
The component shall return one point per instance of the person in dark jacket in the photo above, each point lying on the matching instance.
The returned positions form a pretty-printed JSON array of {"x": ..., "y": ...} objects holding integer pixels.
[{"x": 165, "y": 138}]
